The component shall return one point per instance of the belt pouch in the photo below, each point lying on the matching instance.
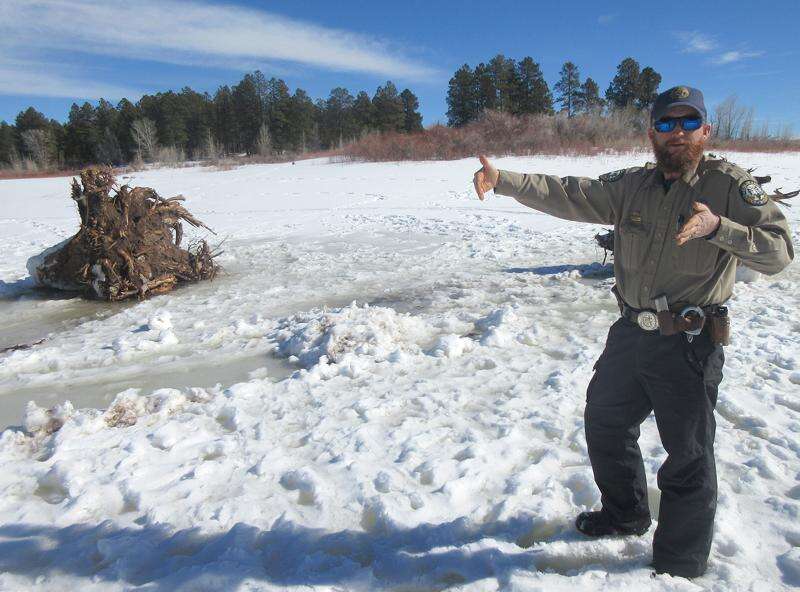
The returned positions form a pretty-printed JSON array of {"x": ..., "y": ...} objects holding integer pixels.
[
  {"x": 721, "y": 329},
  {"x": 666, "y": 324}
]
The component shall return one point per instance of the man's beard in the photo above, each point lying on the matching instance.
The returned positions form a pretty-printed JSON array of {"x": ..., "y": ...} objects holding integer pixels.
[{"x": 679, "y": 161}]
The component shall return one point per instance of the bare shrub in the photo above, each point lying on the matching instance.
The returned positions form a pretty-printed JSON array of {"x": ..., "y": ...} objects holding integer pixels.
[
  {"x": 211, "y": 149},
  {"x": 264, "y": 141},
  {"x": 169, "y": 155},
  {"x": 144, "y": 134},
  {"x": 39, "y": 144},
  {"x": 501, "y": 133}
]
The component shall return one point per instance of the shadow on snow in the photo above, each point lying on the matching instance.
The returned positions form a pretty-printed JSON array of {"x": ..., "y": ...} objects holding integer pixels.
[{"x": 425, "y": 557}]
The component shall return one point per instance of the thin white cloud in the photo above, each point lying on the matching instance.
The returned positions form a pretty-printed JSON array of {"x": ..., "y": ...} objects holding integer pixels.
[
  {"x": 699, "y": 42},
  {"x": 184, "y": 33},
  {"x": 730, "y": 57},
  {"x": 696, "y": 42},
  {"x": 38, "y": 79}
]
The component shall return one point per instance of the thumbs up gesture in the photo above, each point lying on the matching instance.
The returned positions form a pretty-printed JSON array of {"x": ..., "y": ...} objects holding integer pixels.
[{"x": 485, "y": 178}]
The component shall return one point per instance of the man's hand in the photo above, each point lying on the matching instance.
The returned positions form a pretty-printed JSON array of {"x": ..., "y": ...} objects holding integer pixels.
[
  {"x": 486, "y": 178},
  {"x": 701, "y": 224}
]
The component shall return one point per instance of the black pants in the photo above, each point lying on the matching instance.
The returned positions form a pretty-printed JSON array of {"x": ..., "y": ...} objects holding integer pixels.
[{"x": 639, "y": 372}]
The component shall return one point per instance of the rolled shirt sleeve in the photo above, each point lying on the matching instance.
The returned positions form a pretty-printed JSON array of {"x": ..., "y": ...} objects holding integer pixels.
[
  {"x": 758, "y": 235},
  {"x": 580, "y": 199}
]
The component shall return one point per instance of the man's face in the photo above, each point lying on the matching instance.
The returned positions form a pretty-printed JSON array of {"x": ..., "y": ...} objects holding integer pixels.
[{"x": 678, "y": 151}]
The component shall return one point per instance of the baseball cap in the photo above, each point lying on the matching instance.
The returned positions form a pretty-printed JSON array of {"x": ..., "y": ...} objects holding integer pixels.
[{"x": 678, "y": 95}]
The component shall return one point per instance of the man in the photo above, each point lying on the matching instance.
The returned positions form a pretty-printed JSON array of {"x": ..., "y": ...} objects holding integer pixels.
[{"x": 679, "y": 227}]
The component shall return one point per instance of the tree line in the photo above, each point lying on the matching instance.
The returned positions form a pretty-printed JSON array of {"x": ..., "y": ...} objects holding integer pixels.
[
  {"x": 255, "y": 116},
  {"x": 519, "y": 88}
]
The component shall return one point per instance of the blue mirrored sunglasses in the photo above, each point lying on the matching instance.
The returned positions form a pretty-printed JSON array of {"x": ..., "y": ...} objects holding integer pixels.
[{"x": 688, "y": 124}]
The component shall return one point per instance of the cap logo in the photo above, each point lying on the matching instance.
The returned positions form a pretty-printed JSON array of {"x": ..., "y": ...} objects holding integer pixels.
[{"x": 679, "y": 92}]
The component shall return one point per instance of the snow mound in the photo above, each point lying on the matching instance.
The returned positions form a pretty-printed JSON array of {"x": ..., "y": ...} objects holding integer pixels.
[
  {"x": 500, "y": 327},
  {"x": 452, "y": 346},
  {"x": 129, "y": 405},
  {"x": 40, "y": 421},
  {"x": 329, "y": 336}
]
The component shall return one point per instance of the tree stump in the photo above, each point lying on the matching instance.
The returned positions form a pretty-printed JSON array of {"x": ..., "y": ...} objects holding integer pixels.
[{"x": 128, "y": 245}]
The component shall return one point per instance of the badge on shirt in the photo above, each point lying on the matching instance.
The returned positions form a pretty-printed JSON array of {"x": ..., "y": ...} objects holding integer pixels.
[
  {"x": 752, "y": 193},
  {"x": 612, "y": 176}
]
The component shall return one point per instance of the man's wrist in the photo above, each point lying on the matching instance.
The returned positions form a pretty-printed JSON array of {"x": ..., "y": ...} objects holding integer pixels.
[{"x": 713, "y": 233}]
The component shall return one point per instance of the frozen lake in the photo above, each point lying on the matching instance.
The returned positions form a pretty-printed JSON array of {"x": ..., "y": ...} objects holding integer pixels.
[{"x": 384, "y": 390}]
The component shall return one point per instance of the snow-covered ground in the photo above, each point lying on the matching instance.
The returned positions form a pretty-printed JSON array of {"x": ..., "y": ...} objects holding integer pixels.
[{"x": 383, "y": 391}]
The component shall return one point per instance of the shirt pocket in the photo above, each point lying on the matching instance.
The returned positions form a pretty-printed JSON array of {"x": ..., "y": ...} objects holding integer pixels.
[
  {"x": 634, "y": 241},
  {"x": 697, "y": 257}
]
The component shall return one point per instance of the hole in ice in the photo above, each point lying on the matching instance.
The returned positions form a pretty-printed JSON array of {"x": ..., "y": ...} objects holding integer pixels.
[
  {"x": 587, "y": 270},
  {"x": 97, "y": 388},
  {"x": 32, "y": 315}
]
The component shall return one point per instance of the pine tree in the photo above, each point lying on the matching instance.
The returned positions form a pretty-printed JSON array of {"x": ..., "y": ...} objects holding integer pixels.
[
  {"x": 338, "y": 121},
  {"x": 248, "y": 113},
  {"x": 302, "y": 135},
  {"x": 364, "y": 113},
  {"x": 8, "y": 149},
  {"x": 199, "y": 116},
  {"x": 225, "y": 126},
  {"x": 278, "y": 113},
  {"x": 201, "y": 125},
  {"x": 128, "y": 113},
  {"x": 647, "y": 88},
  {"x": 588, "y": 99},
  {"x": 108, "y": 150},
  {"x": 412, "y": 120},
  {"x": 462, "y": 99},
  {"x": 58, "y": 134},
  {"x": 80, "y": 143},
  {"x": 506, "y": 83},
  {"x": 623, "y": 89},
  {"x": 534, "y": 94},
  {"x": 388, "y": 108},
  {"x": 485, "y": 89},
  {"x": 568, "y": 88}
]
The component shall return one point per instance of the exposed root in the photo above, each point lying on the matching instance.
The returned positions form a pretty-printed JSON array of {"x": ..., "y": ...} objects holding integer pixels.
[{"x": 128, "y": 244}]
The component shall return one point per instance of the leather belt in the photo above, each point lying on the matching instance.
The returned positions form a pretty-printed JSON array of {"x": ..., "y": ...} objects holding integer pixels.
[{"x": 691, "y": 319}]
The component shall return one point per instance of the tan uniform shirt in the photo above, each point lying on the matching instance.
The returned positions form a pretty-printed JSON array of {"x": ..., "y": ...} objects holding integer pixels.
[{"x": 646, "y": 216}]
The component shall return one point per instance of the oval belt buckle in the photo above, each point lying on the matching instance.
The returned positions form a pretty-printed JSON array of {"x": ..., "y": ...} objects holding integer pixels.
[
  {"x": 647, "y": 320},
  {"x": 696, "y": 309}
]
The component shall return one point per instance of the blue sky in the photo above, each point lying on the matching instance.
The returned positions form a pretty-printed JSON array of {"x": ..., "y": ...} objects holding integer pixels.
[{"x": 55, "y": 52}]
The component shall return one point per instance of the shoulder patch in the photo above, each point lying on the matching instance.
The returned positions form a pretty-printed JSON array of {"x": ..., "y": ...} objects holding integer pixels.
[
  {"x": 752, "y": 193},
  {"x": 612, "y": 176}
]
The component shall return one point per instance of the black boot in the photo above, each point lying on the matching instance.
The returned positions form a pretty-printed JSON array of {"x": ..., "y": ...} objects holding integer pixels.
[{"x": 598, "y": 524}]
